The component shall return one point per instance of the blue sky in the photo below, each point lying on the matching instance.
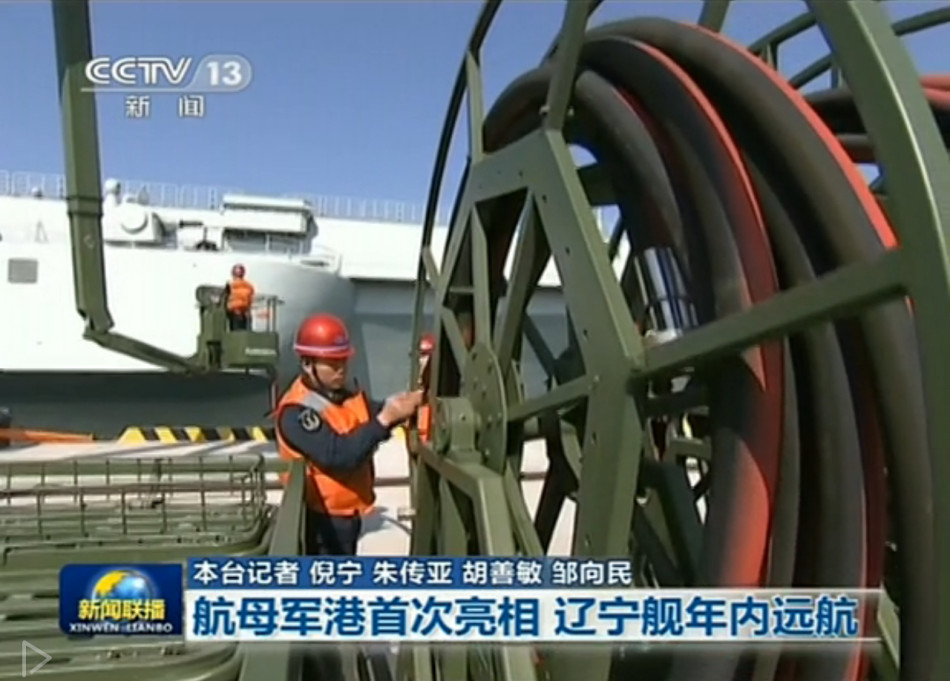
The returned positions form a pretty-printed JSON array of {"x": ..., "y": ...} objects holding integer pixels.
[{"x": 348, "y": 98}]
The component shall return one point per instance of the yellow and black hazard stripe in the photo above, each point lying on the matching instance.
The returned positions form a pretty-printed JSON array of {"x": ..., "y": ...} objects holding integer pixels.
[{"x": 197, "y": 434}]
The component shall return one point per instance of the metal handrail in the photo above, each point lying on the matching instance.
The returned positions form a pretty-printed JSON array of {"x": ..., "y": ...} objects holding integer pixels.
[{"x": 206, "y": 197}]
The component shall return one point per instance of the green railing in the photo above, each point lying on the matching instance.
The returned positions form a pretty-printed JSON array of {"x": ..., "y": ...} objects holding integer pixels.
[
  {"x": 127, "y": 511},
  {"x": 149, "y": 510}
]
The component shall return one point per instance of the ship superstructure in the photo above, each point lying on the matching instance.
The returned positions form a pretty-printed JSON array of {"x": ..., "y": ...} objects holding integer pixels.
[
  {"x": 354, "y": 258},
  {"x": 155, "y": 259}
]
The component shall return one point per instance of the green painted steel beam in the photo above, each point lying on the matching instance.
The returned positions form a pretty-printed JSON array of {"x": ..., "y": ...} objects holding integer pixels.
[
  {"x": 453, "y": 541},
  {"x": 782, "y": 34},
  {"x": 476, "y": 106},
  {"x": 84, "y": 190},
  {"x": 525, "y": 534},
  {"x": 559, "y": 397},
  {"x": 73, "y": 35},
  {"x": 482, "y": 298},
  {"x": 713, "y": 14},
  {"x": 837, "y": 294},
  {"x": 570, "y": 41},
  {"x": 530, "y": 257},
  {"x": 904, "y": 27},
  {"x": 469, "y": 69},
  {"x": 888, "y": 622},
  {"x": 592, "y": 6},
  {"x": 500, "y": 172},
  {"x": 911, "y": 153},
  {"x": 450, "y": 470},
  {"x": 454, "y": 334},
  {"x": 485, "y": 491}
]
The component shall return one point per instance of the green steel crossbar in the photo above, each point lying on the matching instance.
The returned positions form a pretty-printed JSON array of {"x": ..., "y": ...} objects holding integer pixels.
[{"x": 905, "y": 27}]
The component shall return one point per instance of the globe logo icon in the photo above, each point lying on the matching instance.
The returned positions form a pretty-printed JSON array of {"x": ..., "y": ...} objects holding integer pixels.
[{"x": 123, "y": 585}]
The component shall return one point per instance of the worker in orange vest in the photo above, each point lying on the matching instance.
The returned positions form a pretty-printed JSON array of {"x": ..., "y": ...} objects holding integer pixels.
[
  {"x": 336, "y": 430},
  {"x": 240, "y": 294}
]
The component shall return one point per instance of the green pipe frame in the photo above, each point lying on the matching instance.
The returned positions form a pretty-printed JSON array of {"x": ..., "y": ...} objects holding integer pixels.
[{"x": 158, "y": 659}]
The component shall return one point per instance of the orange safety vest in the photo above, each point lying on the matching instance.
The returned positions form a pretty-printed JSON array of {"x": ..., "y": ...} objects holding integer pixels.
[
  {"x": 240, "y": 295},
  {"x": 339, "y": 494}
]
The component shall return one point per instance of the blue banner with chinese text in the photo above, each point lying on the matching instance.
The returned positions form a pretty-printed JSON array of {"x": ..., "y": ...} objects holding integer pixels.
[{"x": 371, "y": 572}]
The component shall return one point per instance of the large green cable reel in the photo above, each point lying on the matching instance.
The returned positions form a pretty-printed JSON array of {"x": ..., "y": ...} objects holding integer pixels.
[{"x": 742, "y": 398}]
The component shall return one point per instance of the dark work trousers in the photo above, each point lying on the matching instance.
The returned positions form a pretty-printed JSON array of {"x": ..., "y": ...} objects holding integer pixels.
[
  {"x": 332, "y": 535},
  {"x": 238, "y": 321}
]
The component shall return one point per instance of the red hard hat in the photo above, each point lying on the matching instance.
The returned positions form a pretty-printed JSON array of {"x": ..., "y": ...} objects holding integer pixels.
[
  {"x": 323, "y": 336},
  {"x": 237, "y": 271},
  {"x": 426, "y": 344}
]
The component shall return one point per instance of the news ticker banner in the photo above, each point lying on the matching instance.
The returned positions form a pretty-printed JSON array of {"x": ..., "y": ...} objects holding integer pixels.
[
  {"x": 432, "y": 600},
  {"x": 365, "y": 572},
  {"x": 483, "y": 599}
]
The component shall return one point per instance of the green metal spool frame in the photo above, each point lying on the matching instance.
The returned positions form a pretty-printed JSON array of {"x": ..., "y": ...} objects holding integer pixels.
[{"x": 466, "y": 492}]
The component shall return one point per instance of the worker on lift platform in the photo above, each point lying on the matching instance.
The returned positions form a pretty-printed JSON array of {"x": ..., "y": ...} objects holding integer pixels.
[
  {"x": 239, "y": 293},
  {"x": 337, "y": 431}
]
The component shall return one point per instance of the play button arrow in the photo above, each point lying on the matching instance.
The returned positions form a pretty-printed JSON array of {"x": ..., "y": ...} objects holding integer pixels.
[{"x": 25, "y": 651}]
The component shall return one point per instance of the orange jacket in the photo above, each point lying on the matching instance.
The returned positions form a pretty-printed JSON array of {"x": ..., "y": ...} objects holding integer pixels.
[
  {"x": 240, "y": 295},
  {"x": 341, "y": 493}
]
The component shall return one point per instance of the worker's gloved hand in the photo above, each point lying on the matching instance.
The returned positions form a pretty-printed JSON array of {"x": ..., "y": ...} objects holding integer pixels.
[{"x": 400, "y": 407}]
